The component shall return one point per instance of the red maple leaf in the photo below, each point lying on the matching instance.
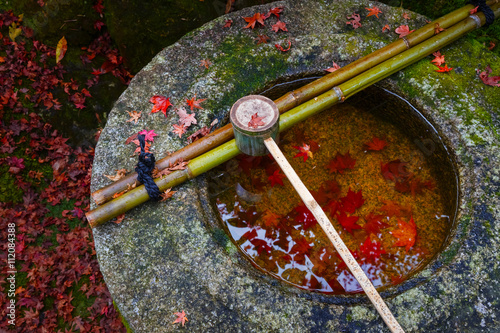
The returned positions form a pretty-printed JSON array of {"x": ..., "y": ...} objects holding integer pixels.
[
  {"x": 148, "y": 135},
  {"x": 280, "y": 25},
  {"x": 438, "y": 58},
  {"x": 279, "y": 47},
  {"x": 275, "y": 11},
  {"x": 252, "y": 20},
  {"x": 186, "y": 119},
  {"x": 333, "y": 68},
  {"x": 396, "y": 171},
  {"x": 341, "y": 162},
  {"x": 271, "y": 219},
  {"x": 444, "y": 69},
  {"x": 356, "y": 20},
  {"x": 489, "y": 80},
  {"x": 305, "y": 217},
  {"x": 276, "y": 178},
  {"x": 352, "y": 201},
  {"x": 406, "y": 234},
  {"x": 374, "y": 223},
  {"x": 392, "y": 208},
  {"x": 161, "y": 103},
  {"x": 228, "y": 23},
  {"x": 181, "y": 318},
  {"x": 304, "y": 151},
  {"x": 373, "y": 11},
  {"x": 256, "y": 121},
  {"x": 179, "y": 129},
  {"x": 348, "y": 222},
  {"x": 327, "y": 191},
  {"x": 371, "y": 249},
  {"x": 375, "y": 144},
  {"x": 403, "y": 30},
  {"x": 195, "y": 103},
  {"x": 301, "y": 246},
  {"x": 386, "y": 27},
  {"x": 261, "y": 39}
]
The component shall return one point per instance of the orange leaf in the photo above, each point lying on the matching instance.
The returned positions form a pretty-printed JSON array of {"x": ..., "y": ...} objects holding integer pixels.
[
  {"x": 181, "y": 318},
  {"x": 406, "y": 234},
  {"x": 61, "y": 49}
]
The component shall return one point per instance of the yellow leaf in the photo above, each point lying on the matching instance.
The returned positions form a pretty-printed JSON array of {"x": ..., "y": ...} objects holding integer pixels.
[
  {"x": 62, "y": 46},
  {"x": 14, "y": 31},
  {"x": 20, "y": 17}
]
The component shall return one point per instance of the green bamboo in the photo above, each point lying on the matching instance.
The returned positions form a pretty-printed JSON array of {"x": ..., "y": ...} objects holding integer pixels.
[
  {"x": 294, "y": 98},
  {"x": 228, "y": 150}
]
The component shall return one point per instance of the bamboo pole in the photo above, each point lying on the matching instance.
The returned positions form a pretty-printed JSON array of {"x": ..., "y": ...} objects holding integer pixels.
[
  {"x": 294, "y": 98},
  {"x": 228, "y": 150}
]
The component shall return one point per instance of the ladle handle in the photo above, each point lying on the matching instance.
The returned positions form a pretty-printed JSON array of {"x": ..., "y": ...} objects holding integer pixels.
[{"x": 334, "y": 237}]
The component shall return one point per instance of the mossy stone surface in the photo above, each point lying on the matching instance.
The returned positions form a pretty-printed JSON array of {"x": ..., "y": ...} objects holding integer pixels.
[{"x": 171, "y": 256}]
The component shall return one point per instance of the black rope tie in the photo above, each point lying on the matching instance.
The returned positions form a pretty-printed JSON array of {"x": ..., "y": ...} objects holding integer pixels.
[
  {"x": 144, "y": 168},
  {"x": 487, "y": 11}
]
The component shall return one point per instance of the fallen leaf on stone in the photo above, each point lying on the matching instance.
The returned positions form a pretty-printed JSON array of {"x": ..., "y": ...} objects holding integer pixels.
[
  {"x": 134, "y": 116},
  {"x": 165, "y": 196},
  {"x": 489, "y": 80},
  {"x": 119, "y": 175},
  {"x": 181, "y": 318},
  {"x": 403, "y": 30},
  {"x": 355, "y": 22},
  {"x": 280, "y": 25},
  {"x": 373, "y": 11}
]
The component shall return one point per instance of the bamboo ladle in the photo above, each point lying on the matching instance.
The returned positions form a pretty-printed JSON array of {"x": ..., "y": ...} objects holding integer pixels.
[{"x": 255, "y": 139}]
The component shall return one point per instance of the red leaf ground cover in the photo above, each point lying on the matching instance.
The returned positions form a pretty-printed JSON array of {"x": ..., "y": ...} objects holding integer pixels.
[{"x": 45, "y": 189}]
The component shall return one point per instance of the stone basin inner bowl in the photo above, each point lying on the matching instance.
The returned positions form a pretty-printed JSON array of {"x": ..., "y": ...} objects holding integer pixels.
[
  {"x": 388, "y": 107},
  {"x": 167, "y": 257}
]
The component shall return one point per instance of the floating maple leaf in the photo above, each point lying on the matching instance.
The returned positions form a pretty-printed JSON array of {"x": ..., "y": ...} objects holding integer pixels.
[
  {"x": 301, "y": 246},
  {"x": 489, "y": 80},
  {"x": 348, "y": 222},
  {"x": 62, "y": 47},
  {"x": 374, "y": 223},
  {"x": 329, "y": 190},
  {"x": 396, "y": 170},
  {"x": 148, "y": 135},
  {"x": 333, "y": 68},
  {"x": 438, "y": 58},
  {"x": 304, "y": 151},
  {"x": 276, "y": 178},
  {"x": 181, "y": 318},
  {"x": 271, "y": 219},
  {"x": 161, "y": 103},
  {"x": 444, "y": 69},
  {"x": 371, "y": 250},
  {"x": 341, "y": 162},
  {"x": 195, "y": 103},
  {"x": 375, "y": 144},
  {"x": 280, "y": 25},
  {"x": 186, "y": 119},
  {"x": 305, "y": 217},
  {"x": 356, "y": 20},
  {"x": 256, "y": 121},
  {"x": 406, "y": 234},
  {"x": 252, "y": 20},
  {"x": 373, "y": 11},
  {"x": 403, "y": 30},
  {"x": 392, "y": 208},
  {"x": 352, "y": 201}
]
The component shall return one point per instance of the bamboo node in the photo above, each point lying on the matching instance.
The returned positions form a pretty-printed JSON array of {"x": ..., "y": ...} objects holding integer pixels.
[
  {"x": 340, "y": 94},
  {"x": 407, "y": 43},
  {"x": 477, "y": 20}
]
